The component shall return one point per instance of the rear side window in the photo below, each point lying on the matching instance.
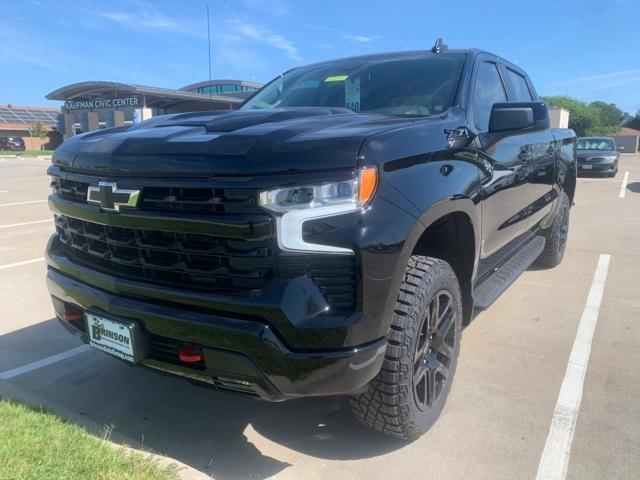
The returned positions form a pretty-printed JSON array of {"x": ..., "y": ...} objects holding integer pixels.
[
  {"x": 487, "y": 91},
  {"x": 518, "y": 88}
]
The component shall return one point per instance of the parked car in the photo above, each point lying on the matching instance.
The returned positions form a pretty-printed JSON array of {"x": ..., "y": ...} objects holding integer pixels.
[
  {"x": 598, "y": 155},
  {"x": 331, "y": 237},
  {"x": 15, "y": 144}
]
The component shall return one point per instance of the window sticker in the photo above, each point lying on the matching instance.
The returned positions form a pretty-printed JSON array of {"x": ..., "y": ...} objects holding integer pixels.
[
  {"x": 336, "y": 78},
  {"x": 352, "y": 94}
]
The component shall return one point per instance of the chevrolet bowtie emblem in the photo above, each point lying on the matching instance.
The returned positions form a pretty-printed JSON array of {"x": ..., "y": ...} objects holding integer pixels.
[{"x": 110, "y": 197}]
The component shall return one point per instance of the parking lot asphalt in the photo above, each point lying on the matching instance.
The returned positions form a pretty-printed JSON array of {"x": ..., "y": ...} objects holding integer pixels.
[{"x": 503, "y": 411}]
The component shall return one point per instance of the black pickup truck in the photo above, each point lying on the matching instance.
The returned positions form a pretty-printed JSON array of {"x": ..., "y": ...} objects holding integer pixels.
[{"x": 330, "y": 237}]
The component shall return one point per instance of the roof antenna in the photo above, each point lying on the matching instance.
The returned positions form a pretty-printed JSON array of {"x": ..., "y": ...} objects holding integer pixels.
[{"x": 438, "y": 47}]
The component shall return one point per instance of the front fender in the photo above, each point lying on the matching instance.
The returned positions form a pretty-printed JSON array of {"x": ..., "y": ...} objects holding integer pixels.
[
  {"x": 434, "y": 186},
  {"x": 440, "y": 209}
]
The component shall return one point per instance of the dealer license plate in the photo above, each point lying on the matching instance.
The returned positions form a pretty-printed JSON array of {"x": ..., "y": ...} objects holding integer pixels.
[
  {"x": 113, "y": 337},
  {"x": 587, "y": 167}
]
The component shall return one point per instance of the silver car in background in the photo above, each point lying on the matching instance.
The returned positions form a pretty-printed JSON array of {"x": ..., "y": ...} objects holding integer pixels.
[{"x": 598, "y": 155}]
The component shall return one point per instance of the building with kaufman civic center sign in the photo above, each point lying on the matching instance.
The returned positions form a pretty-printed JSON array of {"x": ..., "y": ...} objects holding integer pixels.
[{"x": 93, "y": 105}]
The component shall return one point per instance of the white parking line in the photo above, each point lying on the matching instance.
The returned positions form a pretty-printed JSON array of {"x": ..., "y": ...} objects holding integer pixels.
[
  {"x": 4, "y": 191},
  {"x": 623, "y": 187},
  {"x": 25, "y": 223},
  {"x": 6, "y": 375},
  {"x": 555, "y": 456},
  {"x": 18, "y": 264},
  {"x": 22, "y": 203}
]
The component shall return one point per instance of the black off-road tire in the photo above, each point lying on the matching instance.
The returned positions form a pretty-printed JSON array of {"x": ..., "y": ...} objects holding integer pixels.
[
  {"x": 556, "y": 236},
  {"x": 393, "y": 403}
]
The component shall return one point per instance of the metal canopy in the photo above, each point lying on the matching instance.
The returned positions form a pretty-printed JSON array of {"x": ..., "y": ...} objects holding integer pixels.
[{"x": 155, "y": 97}]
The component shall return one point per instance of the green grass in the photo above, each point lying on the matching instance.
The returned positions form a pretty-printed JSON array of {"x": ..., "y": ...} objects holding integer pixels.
[
  {"x": 38, "y": 445},
  {"x": 26, "y": 153}
]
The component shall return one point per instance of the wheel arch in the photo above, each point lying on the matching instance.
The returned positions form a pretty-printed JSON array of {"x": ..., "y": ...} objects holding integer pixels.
[{"x": 432, "y": 236}]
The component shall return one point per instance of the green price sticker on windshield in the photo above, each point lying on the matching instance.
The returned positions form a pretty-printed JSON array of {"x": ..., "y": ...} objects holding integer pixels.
[{"x": 336, "y": 78}]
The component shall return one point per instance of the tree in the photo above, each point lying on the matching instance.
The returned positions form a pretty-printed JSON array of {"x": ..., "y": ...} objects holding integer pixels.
[
  {"x": 634, "y": 122},
  {"x": 588, "y": 119},
  {"x": 39, "y": 130},
  {"x": 610, "y": 114}
]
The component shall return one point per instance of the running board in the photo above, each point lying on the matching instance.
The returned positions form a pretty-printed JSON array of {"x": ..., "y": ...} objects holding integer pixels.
[{"x": 487, "y": 292}]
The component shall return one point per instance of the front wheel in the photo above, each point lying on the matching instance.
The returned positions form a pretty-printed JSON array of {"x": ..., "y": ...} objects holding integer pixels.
[{"x": 406, "y": 397}]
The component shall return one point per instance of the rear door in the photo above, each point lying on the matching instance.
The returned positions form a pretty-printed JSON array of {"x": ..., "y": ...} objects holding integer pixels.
[
  {"x": 505, "y": 193},
  {"x": 538, "y": 148}
]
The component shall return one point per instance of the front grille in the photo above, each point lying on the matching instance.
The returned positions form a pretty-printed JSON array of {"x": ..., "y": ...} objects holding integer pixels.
[
  {"x": 174, "y": 199},
  {"x": 198, "y": 200},
  {"x": 70, "y": 189},
  {"x": 185, "y": 260},
  {"x": 197, "y": 261},
  {"x": 591, "y": 159}
]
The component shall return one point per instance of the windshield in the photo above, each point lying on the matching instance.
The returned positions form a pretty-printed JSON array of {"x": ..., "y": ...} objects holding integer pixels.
[
  {"x": 595, "y": 144},
  {"x": 415, "y": 85}
]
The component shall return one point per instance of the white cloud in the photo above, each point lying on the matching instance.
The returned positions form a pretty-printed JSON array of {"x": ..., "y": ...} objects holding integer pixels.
[
  {"x": 359, "y": 38},
  {"x": 605, "y": 81},
  {"x": 276, "y": 7},
  {"x": 146, "y": 15},
  {"x": 605, "y": 76},
  {"x": 264, "y": 35}
]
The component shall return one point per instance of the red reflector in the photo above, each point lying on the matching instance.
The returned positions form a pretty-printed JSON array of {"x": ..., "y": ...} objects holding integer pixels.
[{"x": 191, "y": 354}]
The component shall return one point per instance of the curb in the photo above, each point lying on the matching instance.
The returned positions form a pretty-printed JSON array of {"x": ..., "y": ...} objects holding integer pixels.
[{"x": 11, "y": 391}]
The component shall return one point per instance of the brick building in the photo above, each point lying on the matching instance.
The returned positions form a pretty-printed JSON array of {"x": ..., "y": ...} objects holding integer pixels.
[{"x": 18, "y": 121}]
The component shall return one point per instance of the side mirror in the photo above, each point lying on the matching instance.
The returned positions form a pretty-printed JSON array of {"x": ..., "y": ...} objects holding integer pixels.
[{"x": 515, "y": 116}]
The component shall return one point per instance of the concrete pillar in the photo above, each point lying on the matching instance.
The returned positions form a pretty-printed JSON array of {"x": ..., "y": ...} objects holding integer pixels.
[
  {"x": 92, "y": 121},
  {"x": 118, "y": 118},
  {"x": 69, "y": 120}
]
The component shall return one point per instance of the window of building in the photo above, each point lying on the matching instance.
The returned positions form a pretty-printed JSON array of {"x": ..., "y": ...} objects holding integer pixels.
[{"x": 225, "y": 88}]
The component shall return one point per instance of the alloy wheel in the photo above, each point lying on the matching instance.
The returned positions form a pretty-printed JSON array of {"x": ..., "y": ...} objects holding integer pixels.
[
  {"x": 564, "y": 228},
  {"x": 434, "y": 350}
]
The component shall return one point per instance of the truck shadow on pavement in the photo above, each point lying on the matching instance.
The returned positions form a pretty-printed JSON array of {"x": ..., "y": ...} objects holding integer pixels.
[
  {"x": 634, "y": 187},
  {"x": 221, "y": 434}
]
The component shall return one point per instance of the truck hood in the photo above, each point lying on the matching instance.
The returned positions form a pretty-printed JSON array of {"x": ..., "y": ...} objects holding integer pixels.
[{"x": 251, "y": 142}]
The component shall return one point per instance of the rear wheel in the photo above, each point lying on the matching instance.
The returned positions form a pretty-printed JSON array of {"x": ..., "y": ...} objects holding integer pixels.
[
  {"x": 556, "y": 236},
  {"x": 407, "y": 396}
]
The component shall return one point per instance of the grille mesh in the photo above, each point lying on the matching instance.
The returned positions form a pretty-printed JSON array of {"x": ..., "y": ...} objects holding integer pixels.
[{"x": 191, "y": 260}]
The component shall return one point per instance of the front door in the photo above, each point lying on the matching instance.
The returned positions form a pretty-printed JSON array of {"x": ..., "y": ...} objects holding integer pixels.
[{"x": 505, "y": 193}]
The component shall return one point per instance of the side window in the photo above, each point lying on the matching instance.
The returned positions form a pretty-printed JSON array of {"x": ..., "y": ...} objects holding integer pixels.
[
  {"x": 487, "y": 91},
  {"x": 518, "y": 88}
]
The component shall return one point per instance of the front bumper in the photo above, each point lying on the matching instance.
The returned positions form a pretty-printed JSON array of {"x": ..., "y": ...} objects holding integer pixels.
[
  {"x": 279, "y": 341},
  {"x": 597, "y": 167},
  {"x": 241, "y": 355}
]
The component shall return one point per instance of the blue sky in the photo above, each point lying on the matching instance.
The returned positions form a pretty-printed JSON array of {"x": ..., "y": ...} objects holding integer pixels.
[{"x": 587, "y": 49}]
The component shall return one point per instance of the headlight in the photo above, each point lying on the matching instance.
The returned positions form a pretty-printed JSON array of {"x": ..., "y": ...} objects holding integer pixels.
[{"x": 295, "y": 205}]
